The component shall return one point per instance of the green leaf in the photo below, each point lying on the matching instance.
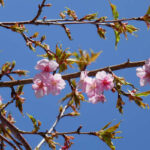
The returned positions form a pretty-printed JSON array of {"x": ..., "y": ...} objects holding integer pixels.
[
  {"x": 124, "y": 82},
  {"x": 70, "y": 13},
  {"x": 36, "y": 124},
  {"x": 120, "y": 104},
  {"x": 148, "y": 11},
  {"x": 63, "y": 67},
  {"x": 35, "y": 35},
  {"x": 19, "y": 104},
  {"x": 31, "y": 47},
  {"x": 94, "y": 56},
  {"x": 73, "y": 60},
  {"x": 13, "y": 65},
  {"x": 146, "y": 93},
  {"x": 114, "y": 11},
  {"x": 50, "y": 142},
  {"x": 42, "y": 38},
  {"x": 66, "y": 97},
  {"x": 101, "y": 32},
  {"x": 58, "y": 51},
  {"x": 141, "y": 104},
  {"x": 106, "y": 126},
  {"x": 18, "y": 28},
  {"x": 108, "y": 134},
  {"x": 73, "y": 83},
  {"x": 117, "y": 36},
  {"x": 19, "y": 89},
  {"x": 113, "y": 128},
  {"x": 6, "y": 67},
  {"x": 131, "y": 28},
  {"x": 90, "y": 17}
]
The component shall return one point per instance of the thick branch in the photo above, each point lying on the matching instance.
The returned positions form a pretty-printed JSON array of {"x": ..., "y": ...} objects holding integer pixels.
[{"x": 77, "y": 74}]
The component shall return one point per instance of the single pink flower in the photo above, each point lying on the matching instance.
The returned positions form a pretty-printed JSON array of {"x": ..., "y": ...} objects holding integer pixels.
[
  {"x": 97, "y": 98},
  {"x": 91, "y": 87},
  {"x": 147, "y": 66},
  {"x": 1, "y": 100},
  {"x": 46, "y": 65},
  {"x": 40, "y": 85},
  {"x": 104, "y": 81},
  {"x": 144, "y": 73},
  {"x": 84, "y": 79},
  {"x": 55, "y": 84}
]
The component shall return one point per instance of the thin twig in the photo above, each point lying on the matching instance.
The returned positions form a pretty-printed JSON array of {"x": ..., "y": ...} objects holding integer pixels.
[
  {"x": 13, "y": 139},
  {"x": 11, "y": 144},
  {"x": 39, "y": 11},
  {"x": 14, "y": 131},
  {"x": 53, "y": 126}
]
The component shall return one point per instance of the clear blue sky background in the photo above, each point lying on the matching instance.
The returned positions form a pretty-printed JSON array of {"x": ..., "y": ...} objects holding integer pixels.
[{"x": 135, "y": 124}]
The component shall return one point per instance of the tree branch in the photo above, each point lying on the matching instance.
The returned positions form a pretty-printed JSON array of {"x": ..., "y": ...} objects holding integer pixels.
[
  {"x": 39, "y": 11},
  {"x": 77, "y": 74},
  {"x": 14, "y": 131},
  {"x": 53, "y": 126},
  {"x": 11, "y": 144},
  {"x": 67, "y": 21}
]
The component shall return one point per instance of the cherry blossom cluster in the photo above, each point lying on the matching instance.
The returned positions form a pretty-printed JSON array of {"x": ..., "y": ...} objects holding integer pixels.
[
  {"x": 144, "y": 73},
  {"x": 95, "y": 87},
  {"x": 45, "y": 82}
]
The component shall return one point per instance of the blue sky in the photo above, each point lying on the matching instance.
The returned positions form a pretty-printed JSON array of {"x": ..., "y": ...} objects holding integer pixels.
[{"x": 135, "y": 121}]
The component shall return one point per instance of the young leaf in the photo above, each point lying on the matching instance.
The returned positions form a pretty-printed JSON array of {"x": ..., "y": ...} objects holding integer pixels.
[
  {"x": 71, "y": 13},
  {"x": 131, "y": 28},
  {"x": 108, "y": 134},
  {"x": 146, "y": 93},
  {"x": 146, "y": 18},
  {"x": 35, "y": 35},
  {"x": 19, "y": 89},
  {"x": 141, "y": 104},
  {"x": 94, "y": 56},
  {"x": 120, "y": 104},
  {"x": 114, "y": 11},
  {"x": 117, "y": 36},
  {"x": 19, "y": 104},
  {"x": 148, "y": 11},
  {"x": 50, "y": 142},
  {"x": 36, "y": 124},
  {"x": 89, "y": 17},
  {"x": 66, "y": 97},
  {"x": 101, "y": 32}
]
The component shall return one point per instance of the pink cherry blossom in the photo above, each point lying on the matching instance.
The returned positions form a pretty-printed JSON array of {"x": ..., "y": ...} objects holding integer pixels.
[
  {"x": 40, "y": 84},
  {"x": 91, "y": 87},
  {"x": 104, "y": 81},
  {"x": 55, "y": 84},
  {"x": 84, "y": 79},
  {"x": 46, "y": 65},
  {"x": 0, "y": 100},
  {"x": 144, "y": 73},
  {"x": 97, "y": 98}
]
